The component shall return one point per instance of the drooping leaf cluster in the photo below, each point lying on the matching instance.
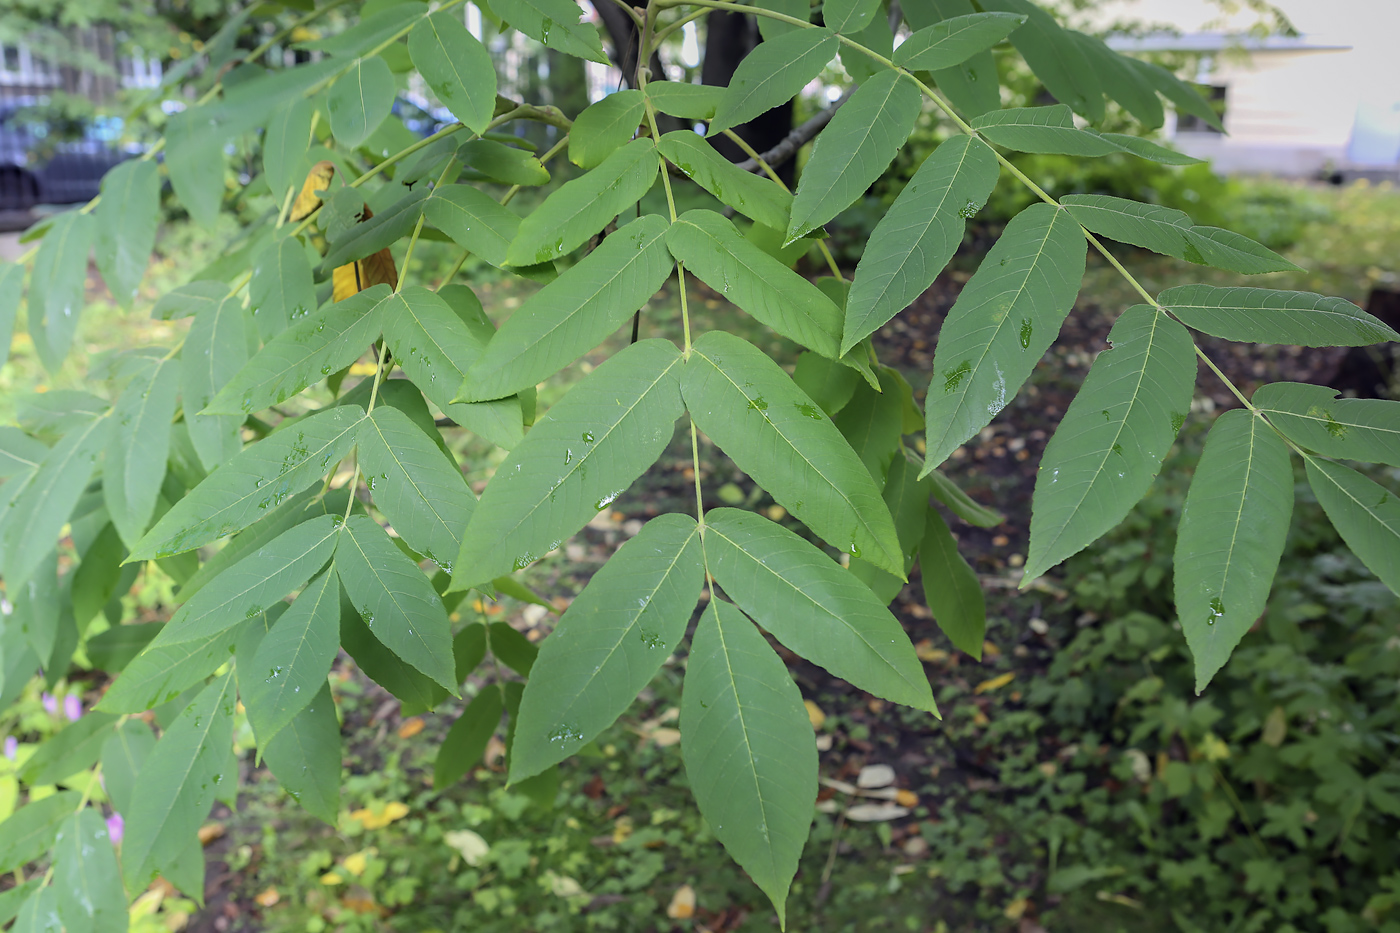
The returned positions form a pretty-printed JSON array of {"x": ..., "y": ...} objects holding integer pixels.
[{"x": 207, "y": 460}]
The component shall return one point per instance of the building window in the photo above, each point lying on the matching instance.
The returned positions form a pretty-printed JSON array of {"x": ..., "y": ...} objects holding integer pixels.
[{"x": 1190, "y": 123}]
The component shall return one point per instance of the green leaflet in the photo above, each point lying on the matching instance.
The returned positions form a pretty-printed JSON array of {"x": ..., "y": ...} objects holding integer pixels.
[
  {"x": 871, "y": 423},
  {"x": 465, "y": 742},
  {"x": 855, "y": 148},
  {"x": 436, "y": 338},
  {"x": 39, "y": 914},
  {"x": 305, "y": 756},
  {"x": 56, "y": 285},
  {"x": 18, "y": 451},
  {"x": 773, "y": 73},
  {"x": 57, "y": 411},
  {"x": 1054, "y": 57},
  {"x": 951, "y": 589},
  {"x": 1106, "y": 452},
  {"x": 760, "y": 199},
  {"x": 813, "y": 606},
  {"x": 1151, "y": 226},
  {"x": 1225, "y": 249},
  {"x": 370, "y": 32},
  {"x": 1365, "y": 513},
  {"x": 771, "y": 28},
  {"x": 877, "y": 37},
  {"x": 123, "y": 755},
  {"x": 974, "y": 85},
  {"x": 907, "y": 497},
  {"x": 581, "y": 207},
  {"x": 506, "y": 165},
  {"x": 609, "y": 643},
  {"x": 262, "y": 477},
  {"x": 473, "y": 220},
  {"x": 1181, "y": 94},
  {"x": 395, "y": 600},
  {"x": 953, "y": 41},
  {"x": 827, "y": 382},
  {"x": 512, "y": 649},
  {"x": 1121, "y": 81},
  {"x": 724, "y": 259},
  {"x": 178, "y": 782},
  {"x": 360, "y": 99},
  {"x": 214, "y": 350},
  {"x": 30, "y": 830},
  {"x": 285, "y": 144},
  {"x": 86, "y": 875},
  {"x": 604, "y": 127},
  {"x": 194, "y": 158},
  {"x": 237, "y": 595},
  {"x": 1042, "y": 129},
  {"x": 1231, "y": 534},
  {"x": 849, "y": 16},
  {"x": 748, "y": 747},
  {"x": 578, "y": 459},
  {"x": 1345, "y": 428},
  {"x": 282, "y": 290},
  {"x": 381, "y": 665},
  {"x": 73, "y": 748},
  {"x": 776, "y": 434},
  {"x": 420, "y": 491},
  {"x": 456, "y": 67},
  {"x": 1146, "y": 149},
  {"x": 95, "y": 580},
  {"x": 135, "y": 463},
  {"x": 189, "y": 299},
  {"x": 693, "y": 101},
  {"x": 1261, "y": 315},
  {"x": 575, "y": 312},
  {"x": 11, "y": 282},
  {"x": 1003, "y": 321},
  {"x": 923, "y": 228},
  {"x": 310, "y": 350},
  {"x": 39, "y": 509},
  {"x": 556, "y": 24},
  {"x": 379, "y": 232},
  {"x": 112, "y": 650},
  {"x": 126, "y": 226},
  {"x": 293, "y": 659},
  {"x": 164, "y": 670}
]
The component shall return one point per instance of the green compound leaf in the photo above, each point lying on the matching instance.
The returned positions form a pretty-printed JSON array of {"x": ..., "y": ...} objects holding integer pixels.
[
  {"x": 1365, "y": 513},
  {"x": 1106, "y": 452},
  {"x": 578, "y": 459},
  {"x": 56, "y": 285},
  {"x": 849, "y": 16},
  {"x": 609, "y": 643},
  {"x": 305, "y": 756},
  {"x": 776, "y": 434},
  {"x": 923, "y": 228},
  {"x": 360, "y": 99},
  {"x": 456, "y": 67},
  {"x": 421, "y": 492},
  {"x": 1055, "y": 58},
  {"x": 581, "y": 207},
  {"x": 954, "y": 40},
  {"x": 30, "y": 831},
  {"x": 1231, "y": 536},
  {"x": 293, "y": 659},
  {"x": 1002, "y": 323},
  {"x": 136, "y": 455},
  {"x": 854, "y": 150},
  {"x": 179, "y": 781},
  {"x": 466, "y": 741},
  {"x": 556, "y": 24},
  {"x": 126, "y": 226},
  {"x": 725, "y": 260},
  {"x": 311, "y": 349},
  {"x": 813, "y": 606},
  {"x": 87, "y": 877},
  {"x": 236, "y": 596},
  {"x": 604, "y": 127},
  {"x": 36, "y": 511},
  {"x": 759, "y": 199},
  {"x": 773, "y": 73},
  {"x": 395, "y": 599},
  {"x": 260, "y": 478},
  {"x": 1345, "y": 428},
  {"x": 473, "y": 220},
  {"x": 951, "y": 589},
  {"x": 749, "y": 750},
  {"x": 1042, "y": 129},
  {"x": 574, "y": 313},
  {"x": 1261, "y": 315},
  {"x": 282, "y": 290}
]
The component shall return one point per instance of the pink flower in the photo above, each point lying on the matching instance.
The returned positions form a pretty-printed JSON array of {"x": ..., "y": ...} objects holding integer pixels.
[
  {"x": 50, "y": 702},
  {"x": 115, "y": 827},
  {"x": 11, "y": 747},
  {"x": 72, "y": 707}
]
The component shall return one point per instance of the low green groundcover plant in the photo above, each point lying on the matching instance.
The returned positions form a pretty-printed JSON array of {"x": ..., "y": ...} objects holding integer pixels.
[{"x": 218, "y": 438}]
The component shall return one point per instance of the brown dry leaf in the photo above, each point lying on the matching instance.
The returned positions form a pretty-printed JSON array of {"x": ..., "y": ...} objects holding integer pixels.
[
  {"x": 682, "y": 906},
  {"x": 268, "y": 898},
  {"x": 411, "y": 727},
  {"x": 995, "y": 683},
  {"x": 317, "y": 180}
]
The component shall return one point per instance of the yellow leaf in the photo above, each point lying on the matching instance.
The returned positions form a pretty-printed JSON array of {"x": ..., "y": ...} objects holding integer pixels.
[
  {"x": 1213, "y": 748},
  {"x": 996, "y": 683},
  {"x": 378, "y": 818},
  {"x": 363, "y": 369},
  {"x": 814, "y": 713},
  {"x": 1016, "y": 908},
  {"x": 268, "y": 898},
  {"x": 906, "y": 798},
  {"x": 409, "y": 729},
  {"x": 318, "y": 182},
  {"x": 682, "y": 906},
  {"x": 926, "y": 652},
  {"x": 355, "y": 864},
  {"x": 330, "y": 878},
  {"x": 622, "y": 829}
]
